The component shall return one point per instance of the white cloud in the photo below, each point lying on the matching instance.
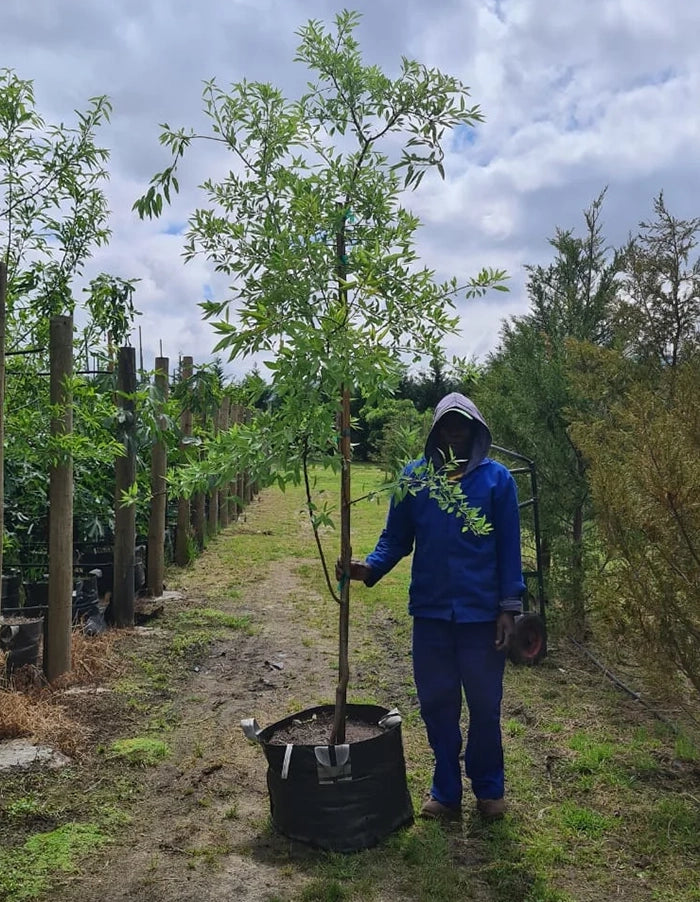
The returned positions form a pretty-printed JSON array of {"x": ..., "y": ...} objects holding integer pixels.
[{"x": 576, "y": 96}]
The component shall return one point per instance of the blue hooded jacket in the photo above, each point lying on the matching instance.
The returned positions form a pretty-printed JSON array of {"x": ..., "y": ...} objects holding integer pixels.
[{"x": 457, "y": 575}]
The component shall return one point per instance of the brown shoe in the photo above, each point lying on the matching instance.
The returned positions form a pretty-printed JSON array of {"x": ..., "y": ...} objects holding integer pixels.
[
  {"x": 491, "y": 809},
  {"x": 433, "y": 810}
]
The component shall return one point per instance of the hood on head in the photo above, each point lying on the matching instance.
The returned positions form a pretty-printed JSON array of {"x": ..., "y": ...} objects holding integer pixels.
[{"x": 482, "y": 438}]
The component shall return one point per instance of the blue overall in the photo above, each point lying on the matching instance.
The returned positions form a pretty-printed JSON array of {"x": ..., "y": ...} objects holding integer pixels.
[
  {"x": 449, "y": 657},
  {"x": 460, "y": 584}
]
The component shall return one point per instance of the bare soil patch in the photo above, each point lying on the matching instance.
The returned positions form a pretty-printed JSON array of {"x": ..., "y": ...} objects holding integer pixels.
[{"x": 316, "y": 729}]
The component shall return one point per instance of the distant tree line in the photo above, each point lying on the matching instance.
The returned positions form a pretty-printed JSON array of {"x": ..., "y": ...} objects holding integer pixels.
[{"x": 598, "y": 383}]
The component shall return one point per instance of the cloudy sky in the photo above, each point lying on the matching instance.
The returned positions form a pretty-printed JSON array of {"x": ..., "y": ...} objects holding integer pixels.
[{"x": 577, "y": 95}]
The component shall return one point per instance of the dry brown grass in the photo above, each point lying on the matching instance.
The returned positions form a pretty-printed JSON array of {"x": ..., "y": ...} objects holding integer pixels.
[
  {"x": 41, "y": 720},
  {"x": 31, "y": 708},
  {"x": 94, "y": 659}
]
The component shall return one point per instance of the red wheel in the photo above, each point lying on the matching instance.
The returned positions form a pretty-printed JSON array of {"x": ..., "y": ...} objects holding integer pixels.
[{"x": 528, "y": 643}]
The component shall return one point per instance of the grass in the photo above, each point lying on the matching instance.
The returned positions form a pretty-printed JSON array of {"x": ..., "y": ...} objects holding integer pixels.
[
  {"x": 604, "y": 800},
  {"x": 201, "y": 618},
  {"x": 27, "y": 875},
  {"x": 141, "y": 751}
]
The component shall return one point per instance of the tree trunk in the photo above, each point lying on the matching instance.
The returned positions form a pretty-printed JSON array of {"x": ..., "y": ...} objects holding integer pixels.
[{"x": 338, "y": 734}]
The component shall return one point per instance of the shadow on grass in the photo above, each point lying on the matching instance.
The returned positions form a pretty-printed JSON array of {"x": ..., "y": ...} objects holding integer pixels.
[
  {"x": 502, "y": 866},
  {"x": 426, "y": 862}
]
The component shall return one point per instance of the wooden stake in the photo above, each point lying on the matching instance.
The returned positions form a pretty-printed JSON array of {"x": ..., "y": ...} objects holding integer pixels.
[
  {"x": 125, "y": 514},
  {"x": 182, "y": 535},
  {"x": 235, "y": 497},
  {"x": 57, "y": 634},
  {"x": 225, "y": 490},
  {"x": 341, "y": 693},
  {"x": 213, "y": 510},
  {"x": 159, "y": 495}
]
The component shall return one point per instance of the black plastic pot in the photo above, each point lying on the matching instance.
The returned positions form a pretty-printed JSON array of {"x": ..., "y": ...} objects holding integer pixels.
[
  {"x": 86, "y": 610},
  {"x": 103, "y": 560},
  {"x": 36, "y": 598},
  {"x": 9, "y": 600},
  {"x": 343, "y": 798},
  {"x": 21, "y": 642}
]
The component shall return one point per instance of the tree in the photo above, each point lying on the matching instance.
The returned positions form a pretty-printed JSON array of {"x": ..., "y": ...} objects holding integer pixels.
[
  {"x": 640, "y": 432},
  {"x": 53, "y": 213},
  {"x": 659, "y": 309},
  {"x": 530, "y": 399},
  {"x": 427, "y": 386},
  {"x": 645, "y": 478},
  {"x": 309, "y": 227},
  {"x": 394, "y": 432}
]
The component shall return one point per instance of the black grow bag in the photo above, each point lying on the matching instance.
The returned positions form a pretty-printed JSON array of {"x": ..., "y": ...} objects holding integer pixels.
[
  {"x": 102, "y": 559},
  {"x": 344, "y": 798},
  {"x": 21, "y": 642},
  {"x": 9, "y": 600},
  {"x": 36, "y": 598}
]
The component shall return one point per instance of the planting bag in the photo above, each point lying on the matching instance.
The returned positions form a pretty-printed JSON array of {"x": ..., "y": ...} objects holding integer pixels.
[
  {"x": 9, "y": 600},
  {"x": 21, "y": 642},
  {"x": 343, "y": 798}
]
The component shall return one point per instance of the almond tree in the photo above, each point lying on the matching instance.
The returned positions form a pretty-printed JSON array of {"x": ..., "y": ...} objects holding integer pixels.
[{"x": 325, "y": 281}]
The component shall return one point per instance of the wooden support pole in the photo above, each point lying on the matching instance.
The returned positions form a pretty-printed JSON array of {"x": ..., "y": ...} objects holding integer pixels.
[
  {"x": 199, "y": 508},
  {"x": 215, "y": 494},
  {"x": 337, "y": 736},
  {"x": 57, "y": 634},
  {"x": 199, "y": 518},
  {"x": 225, "y": 490},
  {"x": 247, "y": 493},
  {"x": 183, "y": 532},
  {"x": 3, "y": 340},
  {"x": 159, "y": 491},
  {"x": 125, "y": 514},
  {"x": 234, "y": 495},
  {"x": 213, "y": 509}
]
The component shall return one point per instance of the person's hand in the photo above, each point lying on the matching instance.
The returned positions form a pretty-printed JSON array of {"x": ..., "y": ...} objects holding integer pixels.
[
  {"x": 505, "y": 626},
  {"x": 358, "y": 570}
]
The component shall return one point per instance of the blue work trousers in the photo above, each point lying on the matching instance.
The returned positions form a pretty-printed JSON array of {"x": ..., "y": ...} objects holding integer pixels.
[{"x": 449, "y": 657}]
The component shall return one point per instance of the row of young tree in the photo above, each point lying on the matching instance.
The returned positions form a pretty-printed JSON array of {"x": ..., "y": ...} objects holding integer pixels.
[
  {"x": 599, "y": 383},
  {"x": 53, "y": 215}
]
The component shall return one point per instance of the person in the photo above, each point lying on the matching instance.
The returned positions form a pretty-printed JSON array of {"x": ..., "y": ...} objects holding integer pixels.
[{"x": 464, "y": 595}]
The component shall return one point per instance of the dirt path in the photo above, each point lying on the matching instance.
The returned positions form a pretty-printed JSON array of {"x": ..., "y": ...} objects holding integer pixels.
[{"x": 200, "y": 829}]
